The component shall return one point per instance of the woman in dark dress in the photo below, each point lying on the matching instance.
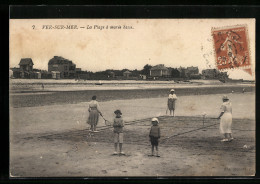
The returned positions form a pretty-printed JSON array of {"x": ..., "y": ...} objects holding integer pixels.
[{"x": 94, "y": 111}]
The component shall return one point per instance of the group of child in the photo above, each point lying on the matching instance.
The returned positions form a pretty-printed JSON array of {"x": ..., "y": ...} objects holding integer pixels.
[
  {"x": 154, "y": 131},
  {"x": 118, "y": 125}
]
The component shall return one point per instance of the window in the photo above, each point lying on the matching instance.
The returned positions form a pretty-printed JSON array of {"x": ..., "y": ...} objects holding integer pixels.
[{"x": 72, "y": 68}]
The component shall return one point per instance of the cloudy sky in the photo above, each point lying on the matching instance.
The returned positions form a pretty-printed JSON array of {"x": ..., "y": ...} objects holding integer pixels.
[{"x": 172, "y": 42}]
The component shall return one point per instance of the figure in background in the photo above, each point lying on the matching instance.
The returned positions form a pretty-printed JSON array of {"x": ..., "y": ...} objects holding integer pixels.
[{"x": 171, "y": 101}]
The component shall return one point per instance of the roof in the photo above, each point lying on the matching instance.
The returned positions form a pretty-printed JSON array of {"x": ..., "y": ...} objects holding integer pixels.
[
  {"x": 55, "y": 72},
  {"x": 59, "y": 60},
  {"x": 209, "y": 70},
  {"x": 15, "y": 69},
  {"x": 26, "y": 61},
  {"x": 127, "y": 72},
  {"x": 192, "y": 68},
  {"x": 159, "y": 67}
]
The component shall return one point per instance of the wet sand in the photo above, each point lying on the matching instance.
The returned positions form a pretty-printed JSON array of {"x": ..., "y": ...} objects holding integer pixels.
[{"x": 198, "y": 152}]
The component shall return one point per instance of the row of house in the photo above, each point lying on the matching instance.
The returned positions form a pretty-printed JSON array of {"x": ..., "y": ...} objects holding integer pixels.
[
  {"x": 58, "y": 67},
  {"x": 160, "y": 71},
  {"x": 61, "y": 68},
  {"x": 181, "y": 72}
]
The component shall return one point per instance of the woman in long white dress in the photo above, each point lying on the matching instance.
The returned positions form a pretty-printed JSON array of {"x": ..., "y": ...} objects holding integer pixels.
[
  {"x": 226, "y": 119},
  {"x": 94, "y": 111}
]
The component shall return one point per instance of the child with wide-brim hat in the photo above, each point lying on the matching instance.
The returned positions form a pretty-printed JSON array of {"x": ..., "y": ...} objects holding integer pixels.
[
  {"x": 118, "y": 132},
  {"x": 155, "y": 135}
]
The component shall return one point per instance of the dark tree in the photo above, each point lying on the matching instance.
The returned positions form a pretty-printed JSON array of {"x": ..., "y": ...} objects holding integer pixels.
[
  {"x": 125, "y": 69},
  {"x": 175, "y": 73},
  {"x": 146, "y": 69},
  {"x": 136, "y": 72}
]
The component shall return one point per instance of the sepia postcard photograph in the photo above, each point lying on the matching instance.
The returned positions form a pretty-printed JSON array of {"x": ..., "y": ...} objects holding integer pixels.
[{"x": 132, "y": 97}]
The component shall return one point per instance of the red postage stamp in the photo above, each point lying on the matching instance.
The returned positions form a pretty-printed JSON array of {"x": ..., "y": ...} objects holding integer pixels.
[{"x": 231, "y": 47}]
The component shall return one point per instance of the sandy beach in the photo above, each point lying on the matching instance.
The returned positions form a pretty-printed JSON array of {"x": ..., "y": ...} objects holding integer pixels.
[
  {"x": 58, "y": 65},
  {"x": 54, "y": 140}
]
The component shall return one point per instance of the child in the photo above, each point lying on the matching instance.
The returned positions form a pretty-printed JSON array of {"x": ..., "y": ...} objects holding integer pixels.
[
  {"x": 171, "y": 102},
  {"x": 118, "y": 132},
  {"x": 155, "y": 136}
]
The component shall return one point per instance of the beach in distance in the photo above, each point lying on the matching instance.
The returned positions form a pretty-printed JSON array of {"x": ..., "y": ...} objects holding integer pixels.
[{"x": 30, "y": 92}]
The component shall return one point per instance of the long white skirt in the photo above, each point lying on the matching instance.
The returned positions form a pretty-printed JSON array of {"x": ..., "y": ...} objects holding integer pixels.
[{"x": 225, "y": 123}]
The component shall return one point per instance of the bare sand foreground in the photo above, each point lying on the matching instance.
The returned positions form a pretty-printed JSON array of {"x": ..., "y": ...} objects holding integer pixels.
[{"x": 54, "y": 141}]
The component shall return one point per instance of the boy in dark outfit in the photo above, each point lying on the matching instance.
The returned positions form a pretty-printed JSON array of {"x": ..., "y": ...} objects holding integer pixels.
[{"x": 155, "y": 135}]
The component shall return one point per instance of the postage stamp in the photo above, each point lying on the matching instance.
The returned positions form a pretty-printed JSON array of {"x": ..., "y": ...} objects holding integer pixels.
[{"x": 231, "y": 46}]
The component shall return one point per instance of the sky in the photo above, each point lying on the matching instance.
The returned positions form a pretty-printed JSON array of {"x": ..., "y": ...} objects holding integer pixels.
[{"x": 172, "y": 42}]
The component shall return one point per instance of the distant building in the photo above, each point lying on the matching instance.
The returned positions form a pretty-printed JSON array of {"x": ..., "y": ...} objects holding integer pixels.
[
  {"x": 26, "y": 65},
  {"x": 25, "y": 69},
  {"x": 11, "y": 73},
  {"x": 182, "y": 72},
  {"x": 210, "y": 73},
  {"x": 214, "y": 74},
  {"x": 16, "y": 72},
  {"x": 38, "y": 75},
  {"x": 189, "y": 72},
  {"x": 127, "y": 74},
  {"x": 46, "y": 75},
  {"x": 111, "y": 75},
  {"x": 82, "y": 75},
  {"x": 66, "y": 67},
  {"x": 143, "y": 77},
  {"x": 159, "y": 71},
  {"x": 192, "y": 71},
  {"x": 55, "y": 74},
  {"x": 78, "y": 69}
]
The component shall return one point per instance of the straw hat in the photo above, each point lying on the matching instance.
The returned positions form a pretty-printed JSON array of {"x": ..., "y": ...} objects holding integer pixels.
[
  {"x": 225, "y": 97},
  {"x": 172, "y": 90},
  {"x": 118, "y": 112},
  {"x": 155, "y": 119}
]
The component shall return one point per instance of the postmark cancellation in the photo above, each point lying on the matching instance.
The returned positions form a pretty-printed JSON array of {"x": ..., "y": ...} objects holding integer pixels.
[{"x": 231, "y": 48}]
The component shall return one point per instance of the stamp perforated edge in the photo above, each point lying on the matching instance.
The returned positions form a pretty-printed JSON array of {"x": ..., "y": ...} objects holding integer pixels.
[{"x": 248, "y": 45}]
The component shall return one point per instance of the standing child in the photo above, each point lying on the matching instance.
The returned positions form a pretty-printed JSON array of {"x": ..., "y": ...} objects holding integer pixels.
[
  {"x": 118, "y": 132},
  {"x": 155, "y": 135},
  {"x": 171, "y": 102}
]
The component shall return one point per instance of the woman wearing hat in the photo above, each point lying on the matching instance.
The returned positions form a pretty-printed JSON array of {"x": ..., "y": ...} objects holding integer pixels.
[
  {"x": 94, "y": 111},
  {"x": 226, "y": 119},
  {"x": 171, "y": 102}
]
